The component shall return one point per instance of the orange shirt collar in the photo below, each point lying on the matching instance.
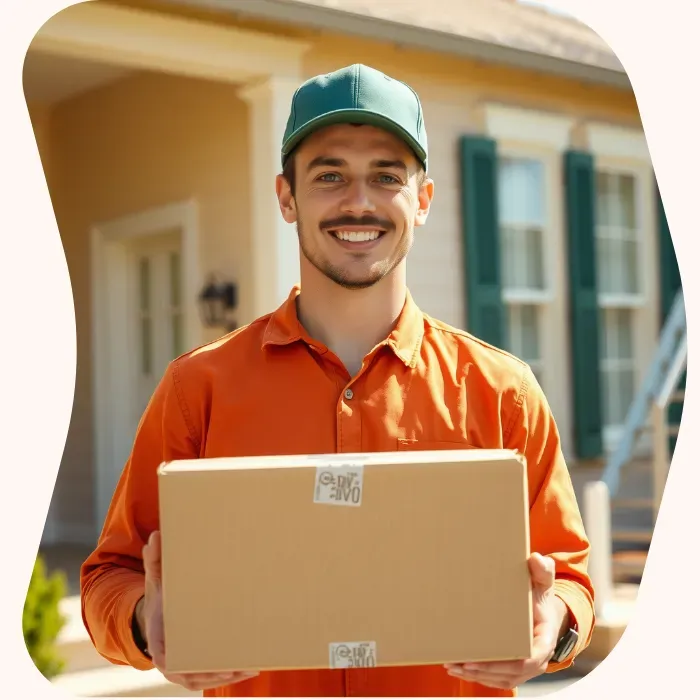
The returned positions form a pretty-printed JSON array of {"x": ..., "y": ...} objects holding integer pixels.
[{"x": 283, "y": 328}]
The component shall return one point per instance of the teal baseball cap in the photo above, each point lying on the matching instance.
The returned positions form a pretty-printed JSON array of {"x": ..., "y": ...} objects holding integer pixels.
[{"x": 357, "y": 94}]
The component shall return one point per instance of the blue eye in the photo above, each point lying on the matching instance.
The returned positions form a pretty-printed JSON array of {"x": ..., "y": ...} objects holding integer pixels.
[
  {"x": 391, "y": 179},
  {"x": 325, "y": 175}
]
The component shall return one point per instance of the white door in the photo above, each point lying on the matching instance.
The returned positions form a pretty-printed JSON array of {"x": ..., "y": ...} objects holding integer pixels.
[
  {"x": 145, "y": 283},
  {"x": 155, "y": 305}
]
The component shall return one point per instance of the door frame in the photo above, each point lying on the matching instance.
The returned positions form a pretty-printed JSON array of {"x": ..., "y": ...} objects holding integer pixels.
[{"x": 110, "y": 323}]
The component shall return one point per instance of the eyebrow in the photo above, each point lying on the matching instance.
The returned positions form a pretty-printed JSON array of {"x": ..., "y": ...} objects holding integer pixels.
[{"x": 327, "y": 161}]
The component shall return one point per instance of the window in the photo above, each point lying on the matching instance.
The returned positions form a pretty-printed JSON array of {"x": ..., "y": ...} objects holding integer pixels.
[
  {"x": 522, "y": 221},
  {"x": 617, "y": 364},
  {"x": 618, "y": 244}
]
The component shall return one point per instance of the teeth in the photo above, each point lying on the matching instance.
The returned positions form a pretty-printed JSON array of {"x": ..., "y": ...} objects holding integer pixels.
[{"x": 357, "y": 236}]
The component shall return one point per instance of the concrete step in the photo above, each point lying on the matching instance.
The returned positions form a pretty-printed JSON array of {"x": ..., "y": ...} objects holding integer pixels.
[
  {"x": 74, "y": 645},
  {"x": 87, "y": 674},
  {"x": 610, "y": 627},
  {"x": 642, "y": 536},
  {"x": 628, "y": 565},
  {"x": 633, "y": 503},
  {"x": 120, "y": 682}
]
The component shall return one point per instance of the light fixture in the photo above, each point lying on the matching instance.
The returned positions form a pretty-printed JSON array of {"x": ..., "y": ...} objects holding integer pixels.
[{"x": 217, "y": 301}]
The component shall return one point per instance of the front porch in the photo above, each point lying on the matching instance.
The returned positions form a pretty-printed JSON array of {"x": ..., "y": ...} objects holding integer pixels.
[{"x": 159, "y": 136}]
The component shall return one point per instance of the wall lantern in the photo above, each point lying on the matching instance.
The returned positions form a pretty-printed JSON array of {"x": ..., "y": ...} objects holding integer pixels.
[{"x": 217, "y": 301}]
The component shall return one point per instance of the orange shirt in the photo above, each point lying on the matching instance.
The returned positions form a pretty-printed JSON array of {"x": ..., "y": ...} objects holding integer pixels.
[{"x": 269, "y": 388}]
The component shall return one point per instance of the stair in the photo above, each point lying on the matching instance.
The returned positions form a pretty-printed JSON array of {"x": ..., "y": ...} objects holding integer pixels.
[
  {"x": 631, "y": 536},
  {"x": 628, "y": 566},
  {"x": 87, "y": 674},
  {"x": 635, "y": 490},
  {"x": 633, "y": 503},
  {"x": 609, "y": 628},
  {"x": 642, "y": 536}
]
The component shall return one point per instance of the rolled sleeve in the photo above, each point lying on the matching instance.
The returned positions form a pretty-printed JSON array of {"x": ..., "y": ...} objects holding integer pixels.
[{"x": 556, "y": 525}]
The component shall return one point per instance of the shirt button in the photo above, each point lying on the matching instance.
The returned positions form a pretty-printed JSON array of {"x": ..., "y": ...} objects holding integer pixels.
[{"x": 348, "y": 394}]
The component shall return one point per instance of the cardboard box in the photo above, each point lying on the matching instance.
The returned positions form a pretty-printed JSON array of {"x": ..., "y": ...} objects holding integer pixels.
[{"x": 345, "y": 560}]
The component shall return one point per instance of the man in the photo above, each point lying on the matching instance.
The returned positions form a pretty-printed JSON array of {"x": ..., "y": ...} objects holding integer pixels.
[{"x": 348, "y": 363}]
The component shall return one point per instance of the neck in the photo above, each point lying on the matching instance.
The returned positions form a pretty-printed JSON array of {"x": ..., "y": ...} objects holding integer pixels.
[{"x": 350, "y": 322}]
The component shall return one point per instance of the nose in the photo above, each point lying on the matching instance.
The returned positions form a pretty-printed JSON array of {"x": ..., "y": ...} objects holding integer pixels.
[{"x": 357, "y": 198}]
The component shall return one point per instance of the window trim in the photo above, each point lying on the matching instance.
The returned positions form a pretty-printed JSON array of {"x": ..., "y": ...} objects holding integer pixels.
[
  {"x": 520, "y": 151},
  {"x": 517, "y": 125},
  {"x": 544, "y": 136},
  {"x": 543, "y": 298},
  {"x": 621, "y": 301},
  {"x": 522, "y": 297},
  {"x": 614, "y": 167},
  {"x": 616, "y": 141},
  {"x": 622, "y": 150}
]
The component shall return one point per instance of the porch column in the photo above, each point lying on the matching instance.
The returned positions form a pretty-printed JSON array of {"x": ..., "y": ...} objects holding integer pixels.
[{"x": 275, "y": 246}]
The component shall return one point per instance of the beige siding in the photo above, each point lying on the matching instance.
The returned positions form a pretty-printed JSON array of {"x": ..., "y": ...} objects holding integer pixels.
[
  {"x": 435, "y": 266},
  {"x": 146, "y": 141},
  {"x": 451, "y": 90},
  {"x": 154, "y": 139}
]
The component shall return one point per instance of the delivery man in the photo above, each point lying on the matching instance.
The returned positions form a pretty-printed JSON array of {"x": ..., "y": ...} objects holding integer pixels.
[{"x": 348, "y": 363}]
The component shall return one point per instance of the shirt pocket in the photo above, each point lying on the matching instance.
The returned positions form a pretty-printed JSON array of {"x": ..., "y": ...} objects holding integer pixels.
[{"x": 413, "y": 445}]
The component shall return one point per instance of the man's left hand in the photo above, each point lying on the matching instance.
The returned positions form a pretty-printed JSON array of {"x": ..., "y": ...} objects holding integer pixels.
[{"x": 550, "y": 620}]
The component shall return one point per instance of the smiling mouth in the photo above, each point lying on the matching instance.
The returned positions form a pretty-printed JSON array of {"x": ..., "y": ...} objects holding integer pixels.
[{"x": 356, "y": 236}]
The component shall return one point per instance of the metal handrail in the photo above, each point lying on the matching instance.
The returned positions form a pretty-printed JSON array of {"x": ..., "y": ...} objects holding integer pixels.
[
  {"x": 678, "y": 366},
  {"x": 653, "y": 380}
]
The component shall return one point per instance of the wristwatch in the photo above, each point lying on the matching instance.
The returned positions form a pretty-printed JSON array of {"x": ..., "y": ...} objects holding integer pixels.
[
  {"x": 565, "y": 646},
  {"x": 138, "y": 638}
]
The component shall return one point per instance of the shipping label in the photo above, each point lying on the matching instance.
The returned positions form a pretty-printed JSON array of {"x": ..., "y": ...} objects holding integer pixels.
[
  {"x": 353, "y": 655},
  {"x": 339, "y": 484}
]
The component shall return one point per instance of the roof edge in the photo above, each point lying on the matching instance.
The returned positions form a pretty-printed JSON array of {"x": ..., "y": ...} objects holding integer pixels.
[{"x": 343, "y": 22}]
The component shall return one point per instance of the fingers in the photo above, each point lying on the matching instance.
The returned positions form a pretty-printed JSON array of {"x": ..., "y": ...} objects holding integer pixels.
[
  {"x": 502, "y": 675},
  {"x": 495, "y": 668},
  {"x": 542, "y": 571},
  {"x": 156, "y": 645},
  {"x": 155, "y": 635},
  {"x": 209, "y": 681},
  {"x": 152, "y": 556},
  {"x": 507, "y": 675},
  {"x": 484, "y": 678}
]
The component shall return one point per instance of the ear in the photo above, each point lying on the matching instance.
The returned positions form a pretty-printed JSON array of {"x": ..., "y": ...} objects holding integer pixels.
[
  {"x": 425, "y": 198},
  {"x": 285, "y": 199}
]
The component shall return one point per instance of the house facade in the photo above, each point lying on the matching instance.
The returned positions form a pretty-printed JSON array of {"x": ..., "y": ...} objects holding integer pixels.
[{"x": 159, "y": 125}]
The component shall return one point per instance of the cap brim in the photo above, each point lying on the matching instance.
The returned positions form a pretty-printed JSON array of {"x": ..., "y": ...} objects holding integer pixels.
[{"x": 355, "y": 116}]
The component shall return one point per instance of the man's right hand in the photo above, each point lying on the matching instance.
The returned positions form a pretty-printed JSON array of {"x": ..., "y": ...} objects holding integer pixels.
[{"x": 149, "y": 616}]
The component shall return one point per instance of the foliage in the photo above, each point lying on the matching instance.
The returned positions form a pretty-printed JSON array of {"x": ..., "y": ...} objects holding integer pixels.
[{"x": 42, "y": 620}]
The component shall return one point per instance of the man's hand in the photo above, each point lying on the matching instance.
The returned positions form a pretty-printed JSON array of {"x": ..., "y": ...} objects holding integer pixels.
[
  {"x": 149, "y": 616},
  {"x": 550, "y": 619}
]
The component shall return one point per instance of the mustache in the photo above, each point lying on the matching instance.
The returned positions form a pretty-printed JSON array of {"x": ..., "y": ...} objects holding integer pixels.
[{"x": 341, "y": 221}]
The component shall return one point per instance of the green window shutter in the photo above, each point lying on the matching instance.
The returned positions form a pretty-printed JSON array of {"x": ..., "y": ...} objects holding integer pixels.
[
  {"x": 670, "y": 282},
  {"x": 670, "y": 275},
  {"x": 583, "y": 295},
  {"x": 482, "y": 260}
]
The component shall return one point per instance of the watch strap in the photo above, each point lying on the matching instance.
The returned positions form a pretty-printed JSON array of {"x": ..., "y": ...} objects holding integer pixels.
[
  {"x": 565, "y": 646},
  {"x": 138, "y": 637}
]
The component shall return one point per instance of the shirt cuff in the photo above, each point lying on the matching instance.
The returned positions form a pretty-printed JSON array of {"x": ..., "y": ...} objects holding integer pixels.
[{"x": 127, "y": 607}]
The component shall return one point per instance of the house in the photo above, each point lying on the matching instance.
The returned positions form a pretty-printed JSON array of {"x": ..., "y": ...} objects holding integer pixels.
[{"x": 159, "y": 123}]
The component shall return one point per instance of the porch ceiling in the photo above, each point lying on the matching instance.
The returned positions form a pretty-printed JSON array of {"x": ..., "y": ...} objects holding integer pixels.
[{"x": 51, "y": 78}]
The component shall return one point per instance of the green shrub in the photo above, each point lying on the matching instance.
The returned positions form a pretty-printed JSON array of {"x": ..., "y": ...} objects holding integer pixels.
[{"x": 42, "y": 620}]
